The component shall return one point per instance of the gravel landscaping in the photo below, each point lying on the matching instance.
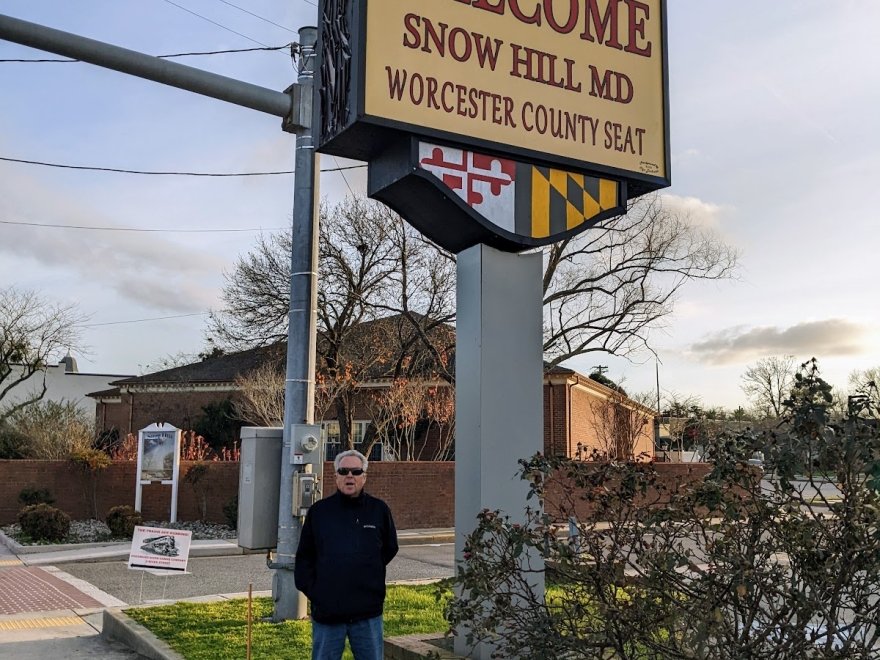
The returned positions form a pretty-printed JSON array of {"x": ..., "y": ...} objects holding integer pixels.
[{"x": 96, "y": 531}]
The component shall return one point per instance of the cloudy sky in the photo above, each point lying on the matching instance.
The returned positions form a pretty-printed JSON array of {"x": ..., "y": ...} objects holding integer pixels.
[{"x": 775, "y": 145}]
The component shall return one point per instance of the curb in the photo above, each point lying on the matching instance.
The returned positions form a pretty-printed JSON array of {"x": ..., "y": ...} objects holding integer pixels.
[
  {"x": 218, "y": 548},
  {"x": 414, "y": 539},
  {"x": 119, "y": 627},
  {"x": 13, "y": 546},
  {"x": 414, "y": 647}
]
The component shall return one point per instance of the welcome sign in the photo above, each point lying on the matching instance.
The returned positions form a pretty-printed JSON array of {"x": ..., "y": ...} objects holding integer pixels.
[{"x": 579, "y": 86}]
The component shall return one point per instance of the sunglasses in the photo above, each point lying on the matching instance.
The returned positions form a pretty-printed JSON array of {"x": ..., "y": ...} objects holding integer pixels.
[{"x": 344, "y": 472}]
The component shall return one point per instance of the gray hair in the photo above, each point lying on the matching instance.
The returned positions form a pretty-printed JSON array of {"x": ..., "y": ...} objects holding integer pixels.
[{"x": 350, "y": 452}]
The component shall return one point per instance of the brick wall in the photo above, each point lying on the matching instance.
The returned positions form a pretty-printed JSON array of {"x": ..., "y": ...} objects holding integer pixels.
[
  {"x": 420, "y": 494},
  {"x": 587, "y": 412},
  {"x": 556, "y": 440},
  {"x": 116, "y": 486},
  {"x": 672, "y": 476}
]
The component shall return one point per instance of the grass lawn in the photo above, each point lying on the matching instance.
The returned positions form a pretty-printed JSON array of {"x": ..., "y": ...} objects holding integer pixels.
[{"x": 219, "y": 630}]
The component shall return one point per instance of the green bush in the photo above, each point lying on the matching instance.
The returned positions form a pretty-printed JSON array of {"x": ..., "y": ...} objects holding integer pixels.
[
  {"x": 122, "y": 520},
  {"x": 29, "y": 496},
  {"x": 740, "y": 564},
  {"x": 42, "y": 522},
  {"x": 13, "y": 444},
  {"x": 230, "y": 510},
  {"x": 50, "y": 430}
]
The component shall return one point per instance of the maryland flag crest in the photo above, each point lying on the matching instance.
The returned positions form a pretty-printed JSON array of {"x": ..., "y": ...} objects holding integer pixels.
[
  {"x": 540, "y": 203},
  {"x": 459, "y": 198}
]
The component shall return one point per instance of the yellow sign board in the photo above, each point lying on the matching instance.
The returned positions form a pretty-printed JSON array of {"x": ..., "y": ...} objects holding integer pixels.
[{"x": 581, "y": 81}]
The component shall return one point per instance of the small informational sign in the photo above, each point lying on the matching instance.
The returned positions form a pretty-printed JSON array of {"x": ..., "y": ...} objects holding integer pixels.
[
  {"x": 158, "y": 449},
  {"x": 158, "y": 461},
  {"x": 159, "y": 549}
]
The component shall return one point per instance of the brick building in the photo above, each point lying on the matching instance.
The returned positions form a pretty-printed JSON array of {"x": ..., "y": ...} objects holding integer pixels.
[{"x": 581, "y": 416}]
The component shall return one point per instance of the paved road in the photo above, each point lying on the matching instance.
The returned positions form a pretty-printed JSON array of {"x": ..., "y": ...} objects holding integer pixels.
[
  {"x": 221, "y": 575},
  {"x": 815, "y": 491}
]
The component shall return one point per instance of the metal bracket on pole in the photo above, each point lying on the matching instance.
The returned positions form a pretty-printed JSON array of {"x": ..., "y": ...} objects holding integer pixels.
[{"x": 300, "y": 116}]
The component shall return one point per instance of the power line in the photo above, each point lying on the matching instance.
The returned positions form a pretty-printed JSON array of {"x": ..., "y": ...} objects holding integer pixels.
[
  {"x": 155, "y": 318},
  {"x": 161, "y": 57},
  {"x": 227, "y": 51},
  {"x": 146, "y": 172},
  {"x": 283, "y": 27},
  {"x": 347, "y": 185},
  {"x": 91, "y": 168},
  {"x": 136, "y": 229},
  {"x": 204, "y": 18}
]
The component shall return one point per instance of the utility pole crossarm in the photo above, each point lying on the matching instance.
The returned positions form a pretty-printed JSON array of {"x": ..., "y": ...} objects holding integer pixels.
[{"x": 152, "y": 68}]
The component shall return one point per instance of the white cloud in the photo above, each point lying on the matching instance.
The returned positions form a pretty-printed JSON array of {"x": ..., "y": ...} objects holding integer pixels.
[
  {"x": 685, "y": 156},
  {"x": 700, "y": 213},
  {"x": 144, "y": 267},
  {"x": 827, "y": 338}
]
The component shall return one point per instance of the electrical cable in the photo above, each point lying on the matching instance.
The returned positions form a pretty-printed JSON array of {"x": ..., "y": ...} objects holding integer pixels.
[
  {"x": 344, "y": 178},
  {"x": 155, "y": 318},
  {"x": 136, "y": 229},
  {"x": 204, "y": 18},
  {"x": 116, "y": 170},
  {"x": 283, "y": 27}
]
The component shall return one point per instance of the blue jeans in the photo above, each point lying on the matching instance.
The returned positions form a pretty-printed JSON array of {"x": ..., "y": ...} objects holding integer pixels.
[{"x": 364, "y": 637}]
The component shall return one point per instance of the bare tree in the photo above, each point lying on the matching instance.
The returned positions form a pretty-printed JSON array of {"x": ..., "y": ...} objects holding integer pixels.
[
  {"x": 256, "y": 298},
  {"x": 372, "y": 266},
  {"x": 424, "y": 295},
  {"x": 395, "y": 412},
  {"x": 620, "y": 423},
  {"x": 864, "y": 378},
  {"x": 768, "y": 382},
  {"x": 260, "y": 397},
  {"x": 605, "y": 288},
  {"x": 603, "y": 291},
  {"x": 33, "y": 332},
  {"x": 440, "y": 413}
]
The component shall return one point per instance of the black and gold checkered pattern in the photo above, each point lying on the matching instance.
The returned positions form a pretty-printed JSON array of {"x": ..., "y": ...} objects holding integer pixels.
[{"x": 550, "y": 202}]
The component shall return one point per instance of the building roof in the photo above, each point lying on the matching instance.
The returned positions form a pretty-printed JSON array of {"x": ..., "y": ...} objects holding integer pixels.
[
  {"x": 218, "y": 369},
  {"x": 368, "y": 336}
]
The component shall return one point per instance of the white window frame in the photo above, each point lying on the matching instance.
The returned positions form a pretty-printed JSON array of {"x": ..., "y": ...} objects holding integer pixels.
[{"x": 358, "y": 430}]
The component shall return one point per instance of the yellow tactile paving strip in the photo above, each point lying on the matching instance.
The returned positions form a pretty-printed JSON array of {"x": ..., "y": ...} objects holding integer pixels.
[
  {"x": 10, "y": 562},
  {"x": 48, "y": 622}
]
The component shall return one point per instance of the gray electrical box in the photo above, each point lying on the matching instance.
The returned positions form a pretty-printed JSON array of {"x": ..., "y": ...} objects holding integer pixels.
[
  {"x": 306, "y": 446},
  {"x": 305, "y": 492},
  {"x": 259, "y": 483}
]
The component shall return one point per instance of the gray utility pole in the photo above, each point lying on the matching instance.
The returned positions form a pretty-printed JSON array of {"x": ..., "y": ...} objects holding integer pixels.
[
  {"x": 295, "y": 107},
  {"x": 299, "y": 387}
]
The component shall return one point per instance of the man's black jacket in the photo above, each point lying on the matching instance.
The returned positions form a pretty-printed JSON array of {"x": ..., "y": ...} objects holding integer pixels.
[{"x": 345, "y": 544}]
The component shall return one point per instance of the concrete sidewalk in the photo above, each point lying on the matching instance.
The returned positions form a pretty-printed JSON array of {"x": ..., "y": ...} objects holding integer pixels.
[{"x": 46, "y": 612}]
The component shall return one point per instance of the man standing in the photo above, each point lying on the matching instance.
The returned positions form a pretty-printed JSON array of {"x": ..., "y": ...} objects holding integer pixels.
[{"x": 347, "y": 541}]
